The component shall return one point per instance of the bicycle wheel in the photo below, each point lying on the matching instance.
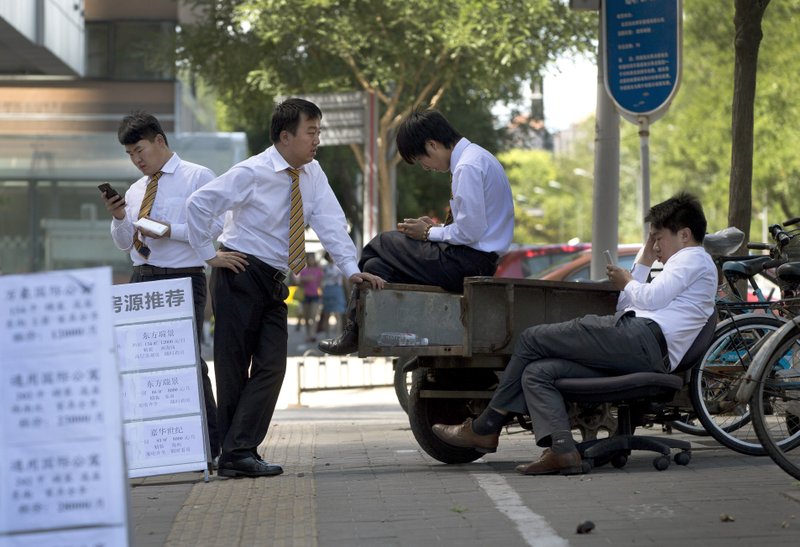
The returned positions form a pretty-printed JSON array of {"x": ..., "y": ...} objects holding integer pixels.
[
  {"x": 715, "y": 380},
  {"x": 689, "y": 423},
  {"x": 776, "y": 402}
]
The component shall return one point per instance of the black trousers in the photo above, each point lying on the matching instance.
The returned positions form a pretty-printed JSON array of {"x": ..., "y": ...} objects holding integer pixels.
[
  {"x": 199, "y": 296},
  {"x": 250, "y": 344},
  {"x": 400, "y": 259}
]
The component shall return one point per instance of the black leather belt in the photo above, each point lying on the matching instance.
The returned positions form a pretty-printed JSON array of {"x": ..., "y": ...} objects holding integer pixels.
[
  {"x": 273, "y": 273},
  {"x": 662, "y": 342},
  {"x": 146, "y": 270}
]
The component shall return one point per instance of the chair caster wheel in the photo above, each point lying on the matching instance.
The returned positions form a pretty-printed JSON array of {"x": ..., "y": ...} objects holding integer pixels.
[
  {"x": 661, "y": 463},
  {"x": 619, "y": 460},
  {"x": 683, "y": 458}
]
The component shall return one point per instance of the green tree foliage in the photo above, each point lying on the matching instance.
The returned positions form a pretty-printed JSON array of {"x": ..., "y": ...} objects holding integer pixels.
[
  {"x": 691, "y": 146},
  {"x": 407, "y": 52},
  {"x": 552, "y": 194}
]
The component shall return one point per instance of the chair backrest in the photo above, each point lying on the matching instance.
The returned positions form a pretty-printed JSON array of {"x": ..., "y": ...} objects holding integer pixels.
[{"x": 700, "y": 345}]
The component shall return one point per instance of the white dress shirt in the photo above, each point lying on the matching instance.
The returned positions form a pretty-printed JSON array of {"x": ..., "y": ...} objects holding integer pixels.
[
  {"x": 482, "y": 204},
  {"x": 256, "y": 194},
  {"x": 680, "y": 298},
  {"x": 179, "y": 180}
]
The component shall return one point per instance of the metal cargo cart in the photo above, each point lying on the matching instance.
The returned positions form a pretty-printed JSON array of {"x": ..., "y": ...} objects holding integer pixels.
[{"x": 470, "y": 339}]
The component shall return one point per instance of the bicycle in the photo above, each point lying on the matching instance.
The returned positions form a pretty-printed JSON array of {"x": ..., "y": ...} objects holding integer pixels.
[
  {"x": 772, "y": 390},
  {"x": 714, "y": 384},
  {"x": 730, "y": 302}
]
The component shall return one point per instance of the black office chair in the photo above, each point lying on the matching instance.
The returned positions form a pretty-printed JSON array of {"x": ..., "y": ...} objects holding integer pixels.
[{"x": 640, "y": 398}]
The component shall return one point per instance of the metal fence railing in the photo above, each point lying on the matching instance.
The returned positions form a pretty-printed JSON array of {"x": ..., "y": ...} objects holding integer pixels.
[{"x": 318, "y": 372}]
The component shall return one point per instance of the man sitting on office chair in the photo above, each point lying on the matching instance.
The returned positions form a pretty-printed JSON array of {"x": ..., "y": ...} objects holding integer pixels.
[{"x": 653, "y": 328}]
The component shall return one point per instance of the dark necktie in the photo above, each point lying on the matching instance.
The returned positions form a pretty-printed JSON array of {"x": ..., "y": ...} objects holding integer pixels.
[{"x": 448, "y": 219}]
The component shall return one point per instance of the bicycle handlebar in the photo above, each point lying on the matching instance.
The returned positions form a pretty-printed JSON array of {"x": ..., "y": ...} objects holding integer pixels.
[
  {"x": 792, "y": 221},
  {"x": 760, "y": 246},
  {"x": 780, "y": 237}
]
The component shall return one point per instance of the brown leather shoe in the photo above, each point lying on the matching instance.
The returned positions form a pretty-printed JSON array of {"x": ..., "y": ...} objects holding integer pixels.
[
  {"x": 463, "y": 436},
  {"x": 551, "y": 463}
]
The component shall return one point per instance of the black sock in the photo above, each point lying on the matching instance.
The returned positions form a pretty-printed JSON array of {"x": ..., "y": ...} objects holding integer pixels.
[
  {"x": 490, "y": 421},
  {"x": 562, "y": 442}
]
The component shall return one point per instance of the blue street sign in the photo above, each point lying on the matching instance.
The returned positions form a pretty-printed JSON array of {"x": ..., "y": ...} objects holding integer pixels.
[{"x": 642, "y": 46}]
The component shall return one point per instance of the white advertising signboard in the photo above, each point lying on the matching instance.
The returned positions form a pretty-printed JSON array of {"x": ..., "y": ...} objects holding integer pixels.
[
  {"x": 162, "y": 401},
  {"x": 61, "y": 438}
]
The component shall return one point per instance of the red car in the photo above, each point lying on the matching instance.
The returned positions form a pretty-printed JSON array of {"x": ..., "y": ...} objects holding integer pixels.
[
  {"x": 530, "y": 261},
  {"x": 578, "y": 268}
]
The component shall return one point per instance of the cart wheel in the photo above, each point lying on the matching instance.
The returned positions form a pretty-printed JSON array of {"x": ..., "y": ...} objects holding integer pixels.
[
  {"x": 423, "y": 413},
  {"x": 683, "y": 458},
  {"x": 661, "y": 463},
  {"x": 401, "y": 382}
]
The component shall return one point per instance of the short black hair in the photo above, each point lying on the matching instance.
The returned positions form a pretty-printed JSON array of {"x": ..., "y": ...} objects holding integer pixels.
[
  {"x": 421, "y": 126},
  {"x": 683, "y": 210},
  {"x": 139, "y": 125},
  {"x": 286, "y": 116}
]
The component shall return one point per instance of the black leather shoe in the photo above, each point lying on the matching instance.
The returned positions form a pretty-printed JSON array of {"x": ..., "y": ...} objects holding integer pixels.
[
  {"x": 248, "y": 467},
  {"x": 345, "y": 343}
]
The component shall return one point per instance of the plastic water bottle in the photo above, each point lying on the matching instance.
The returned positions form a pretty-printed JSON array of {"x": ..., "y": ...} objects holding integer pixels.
[{"x": 401, "y": 339}]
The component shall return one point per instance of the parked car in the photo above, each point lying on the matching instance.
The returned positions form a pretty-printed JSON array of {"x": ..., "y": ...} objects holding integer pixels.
[
  {"x": 578, "y": 268},
  {"x": 531, "y": 260}
]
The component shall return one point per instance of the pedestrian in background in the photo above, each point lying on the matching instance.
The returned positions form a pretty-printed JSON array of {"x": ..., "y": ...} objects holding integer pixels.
[
  {"x": 310, "y": 280},
  {"x": 160, "y": 195},
  {"x": 334, "y": 292}
]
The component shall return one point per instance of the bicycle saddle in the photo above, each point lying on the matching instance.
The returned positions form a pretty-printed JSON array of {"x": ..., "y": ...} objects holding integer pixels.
[
  {"x": 723, "y": 242},
  {"x": 789, "y": 272},
  {"x": 748, "y": 267}
]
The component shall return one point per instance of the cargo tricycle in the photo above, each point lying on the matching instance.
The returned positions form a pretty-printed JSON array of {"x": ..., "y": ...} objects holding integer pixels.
[{"x": 454, "y": 346}]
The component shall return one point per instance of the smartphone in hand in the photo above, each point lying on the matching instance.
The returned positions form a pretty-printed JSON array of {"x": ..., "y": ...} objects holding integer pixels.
[
  {"x": 609, "y": 259},
  {"x": 108, "y": 190}
]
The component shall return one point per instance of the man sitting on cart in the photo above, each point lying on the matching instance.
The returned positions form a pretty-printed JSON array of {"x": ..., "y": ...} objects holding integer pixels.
[
  {"x": 478, "y": 227},
  {"x": 653, "y": 328}
]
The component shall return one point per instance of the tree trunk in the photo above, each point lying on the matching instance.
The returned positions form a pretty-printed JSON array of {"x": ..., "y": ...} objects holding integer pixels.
[
  {"x": 386, "y": 199},
  {"x": 747, "y": 23}
]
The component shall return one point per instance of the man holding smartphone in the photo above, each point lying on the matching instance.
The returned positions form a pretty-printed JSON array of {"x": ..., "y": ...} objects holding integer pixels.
[
  {"x": 655, "y": 324},
  {"x": 158, "y": 201}
]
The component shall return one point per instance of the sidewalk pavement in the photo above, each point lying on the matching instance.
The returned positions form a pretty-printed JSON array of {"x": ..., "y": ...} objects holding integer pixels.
[{"x": 354, "y": 475}]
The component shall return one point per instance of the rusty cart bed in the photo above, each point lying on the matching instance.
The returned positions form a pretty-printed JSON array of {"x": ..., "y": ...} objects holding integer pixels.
[{"x": 470, "y": 339}]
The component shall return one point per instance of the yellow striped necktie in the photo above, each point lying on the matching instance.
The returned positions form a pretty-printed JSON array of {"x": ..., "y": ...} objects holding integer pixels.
[
  {"x": 144, "y": 210},
  {"x": 297, "y": 226}
]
